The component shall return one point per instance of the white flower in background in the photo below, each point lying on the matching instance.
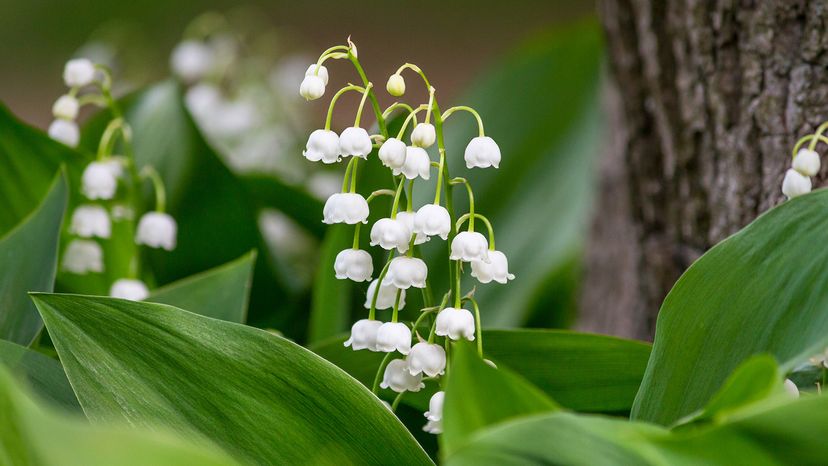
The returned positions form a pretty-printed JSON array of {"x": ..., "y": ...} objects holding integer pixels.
[
  {"x": 204, "y": 101},
  {"x": 392, "y": 153},
  {"x": 390, "y": 233},
  {"x": 157, "y": 230},
  {"x": 83, "y": 256},
  {"x": 394, "y": 336},
  {"x": 497, "y": 269},
  {"x": 427, "y": 358},
  {"x": 820, "y": 359},
  {"x": 408, "y": 219},
  {"x": 234, "y": 118},
  {"x": 806, "y": 162},
  {"x": 323, "y": 72},
  {"x": 324, "y": 184},
  {"x": 191, "y": 60},
  {"x": 435, "y": 407},
  {"x": 405, "y": 272},
  {"x": 423, "y": 135},
  {"x": 100, "y": 179},
  {"x": 322, "y": 145},
  {"x": 354, "y": 264},
  {"x": 385, "y": 298},
  {"x": 455, "y": 323},
  {"x": 791, "y": 388},
  {"x": 350, "y": 208},
  {"x": 355, "y": 141},
  {"x": 795, "y": 184},
  {"x": 470, "y": 246},
  {"x": 312, "y": 87},
  {"x": 434, "y": 427},
  {"x": 395, "y": 85},
  {"x": 78, "y": 72},
  {"x": 121, "y": 212},
  {"x": 364, "y": 335},
  {"x": 65, "y": 131},
  {"x": 432, "y": 219},
  {"x": 90, "y": 220},
  {"x": 66, "y": 107},
  {"x": 416, "y": 164},
  {"x": 482, "y": 152},
  {"x": 125, "y": 288},
  {"x": 398, "y": 378}
]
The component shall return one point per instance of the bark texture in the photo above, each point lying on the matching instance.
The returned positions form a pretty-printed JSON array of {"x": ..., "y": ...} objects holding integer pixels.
[{"x": 707, "y": 99}]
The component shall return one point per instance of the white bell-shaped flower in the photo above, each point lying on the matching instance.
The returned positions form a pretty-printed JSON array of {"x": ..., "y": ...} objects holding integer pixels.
[
  {"x": 390, "y": 233},
  {"x": 83, "y": 256},
  {"x": 157, "y": 230},
  {"x": 364, "y": 335},
  {"x": 455, "y": 323},
  {"x": 322, "y": 145},
  {"x": 469, "y": 246},
  {"x": 795, "y": 184},
  {"x": 191, "y": 60},
  {"x": 395, "y": 85},
  {"x": 205, "y": 101},
  {"x": 482, "y": 152},
  {"x": 405, "y": 272},
  {"x": 434, "y": 427},
  {"x": 100, "y": 179},
  {"x": 427, "y": 358},
  {"x": 791, "y": 388},
  {"x": 394, "y": 336},
  {"x": 496, "y": 269},
  {"x": 65, "y": 131},
  {"x": 312, "y": 87},
  {"x": 806, "y": 162},
  {"x": 433, "y": 220},
  {"x": 355, "y": 141},
  {"x": 392, "y": 153},
  {"x": 90, "y": 220},
  {"x": 423, "y": 135},
  {"x": 350, "y": 208},
  {"x": 323, "y": 72},
  {"x": 78, "y": 72},
  {"x": 125, "y": 288},
  {"x": 398, "y": 378},
  {"x": 435, "y": 407},
  {"x": 353, "y": 264},
  {"x": 385, "y": 298},
  {"x": 408, "y": 219},
  {"x": 66, "y": 107},
  {"x": 416, "y": 164}
]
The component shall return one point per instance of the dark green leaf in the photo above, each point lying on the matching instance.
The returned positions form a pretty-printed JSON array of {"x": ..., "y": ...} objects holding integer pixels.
[
  {"x": 331, "y": 300},
  {"x": 297, "y": 204},
  {"x": 44, "y": 374}
]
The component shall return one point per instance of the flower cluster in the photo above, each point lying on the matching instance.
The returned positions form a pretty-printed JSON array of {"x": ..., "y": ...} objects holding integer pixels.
[
  {"x": 405, "y": 229},
  {"x": 108, "y": 184},
  {"x": 805, "y": 164}
]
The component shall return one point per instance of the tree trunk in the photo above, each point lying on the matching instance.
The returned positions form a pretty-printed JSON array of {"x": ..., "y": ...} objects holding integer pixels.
[{"x": 707, "y": 99}]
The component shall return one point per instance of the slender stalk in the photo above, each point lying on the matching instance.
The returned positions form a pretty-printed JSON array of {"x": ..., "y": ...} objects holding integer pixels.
[{"x": 380, "y": 369}]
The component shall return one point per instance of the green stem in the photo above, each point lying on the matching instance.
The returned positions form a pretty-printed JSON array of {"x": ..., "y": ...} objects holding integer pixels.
[
  {"x": 395, "y": 206},
  {"x": 158, "y": 185},
  {"x": 440, "y": 177},
  {"x": 354, "y": 173},
  {"x": 347, "y": 174},
  {"x": 485, "y": 220},
  {"x": 817, "y": 135},
  {"x": 411, "y": 115},
  {"x": 374, "y": 102},
  {"x": 477, "y": 325},
  {"x": 356, "y": 236},
  {"x": 107, "y": 143},
  {"x": 396, "y": 402},
  {"x": 395, "y": 313},
  {"x": 378, "y": 377},
  {"x": 471, "y": 214},
  {"x": 349, "y": 87},
  {"x": 372, "y": 312},
  {"x": 362, "y": 104},
  {"x": 394, "y": 106},
  {"x": 409, "y": 197},
  {"x": 448, "y": 113},
  {"x": 457, "y": 276}
]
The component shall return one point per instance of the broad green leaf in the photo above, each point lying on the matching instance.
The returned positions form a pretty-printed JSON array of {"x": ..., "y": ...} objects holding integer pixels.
[
  {"x": 262, "y": 398},
  {"x": 220, "y": 293},
  {"x": 581, "y": 371},
  {"x": 760, "y": 291},
  {"x": 44, "y": 374},
  {"x": 269, "y": 191},
  {"x": 331, "y": 299},
  {"x": 478, "y": 396},
  {"x": 28, "y": 262},
  {"x": 31, "y": 435}
]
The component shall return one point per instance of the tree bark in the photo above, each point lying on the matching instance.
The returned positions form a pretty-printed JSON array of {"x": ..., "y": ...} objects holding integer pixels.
[{"x": 706, "y": 100}]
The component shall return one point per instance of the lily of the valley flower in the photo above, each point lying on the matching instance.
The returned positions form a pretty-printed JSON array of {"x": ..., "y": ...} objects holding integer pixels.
[
  {"x": 83, "y": 256},
  {"x": 192, "y": 60},
  {"x": 394, "y": 336},
  {"x": 406, "y": 272},
  {"x": 100, "y": 179},
  {"x": 434, "y": 415},
  {"x": 398, "y": 378},
  {"x": 125, "y": 288},
  {"x": 78, "y": 72},
  {"x": 65, "y": 131},
  {"x": 364, "y": 335},
  {"x": 350, "y": 208},
  {"x": 423, "y": 135},
  {"x": 795, "y": 184},
  {"x": 390, "y": 233},
  {"x": 470, "y": 246},
  {"x": 395, "y": 85},
  {"x": 90, "y": 220},
  {"x": 157, "y": 230},
  {"x": 482, "y": 152},
  {"x": 66, "y": 107},
  {"x": 433, "y": 220},
  {"x": 496, "y": 269},
  {"x": 791, "y": 388},
  {"x": 408, "y": 219},
  {"x": 455, "y": 323},
  {"x": 322, "y": 74},
  {"x": 355, "y": 141},
  {"x": 322, "y": 145},
  {"x": 353, "y": 264},
  {"x": 416, "y": 164},
  {"x": 313, "y": 86},
  {"x": 427, "y": 358},
  {"x": 806, "y": 162},
  {"x": 392, "y": 153},
  {"x": 385, "y": 298}
]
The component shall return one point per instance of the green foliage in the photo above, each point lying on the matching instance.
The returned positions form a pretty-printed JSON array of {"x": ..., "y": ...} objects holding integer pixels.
[
  {"x": 331, "y": 300},
  {"x": 42, "y": 373}
]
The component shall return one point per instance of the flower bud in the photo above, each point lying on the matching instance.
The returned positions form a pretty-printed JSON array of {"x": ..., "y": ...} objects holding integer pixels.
[
  {"x": 157, "y": 230},
  {"x": 469, "y": 246},
  {"x": 394, "y": 336},
  {"x": 423, "y": 135},
  {"x": 364, "y": 335},
  {"x": 416, "y": 164},
  {"x": 100, "y": 179},
  {"x": 795, "y": 184},
  {"x": 65, "y": 131},
  {"x": 497, "y": 269},
  {"x": 427, "y": 358},
  {"x": 355, "y": 141},
  {"x": 78, "y": 72},
  {"x": 806, "y": 162},
  {"x": 398, "y": 378},
  {"x": 433, "y": 220},
  {"x": 312, "y": 88},
  {"x": 350, "y": 208},
  {"x": 83, "y": 256},
  {"x": 791, "y": 388},
  {"x": 66, "y": 107},
  {"x": 455, "y": 323},
  {"x": 354, "y": 264},
  {"x": 385, "y": 298},
  {"x": 408, "y": 219},
  {"x": 405, "y": 272},
  {"x": 482, "y": 152},
  {"x": 90, "y": 220},
  {"x": 395, "y": 85},
  {"x": 390, "y": 233},
  {"x": 133, "y": 290},
  {"x": 322, "y": 73},
  {"x": 192, "y": 60},
  {"x": 392, "y": 153},
  {"x": 322, "y": 145}
]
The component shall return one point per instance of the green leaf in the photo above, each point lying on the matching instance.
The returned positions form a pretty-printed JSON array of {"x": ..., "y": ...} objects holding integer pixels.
[
  {"x": 44, "y": 374},
  {"x": 269, "y": 191},
  {"x": 220, "y": 293},
  {"x": 28, "y": 262},
  {"x": 478, "y": 396},
  {"x": 261, "y": 397},
  {"x": 33, "y": 435},
  {"x": 331, "y": 300},
  {"x": 759, "y": 291}
]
